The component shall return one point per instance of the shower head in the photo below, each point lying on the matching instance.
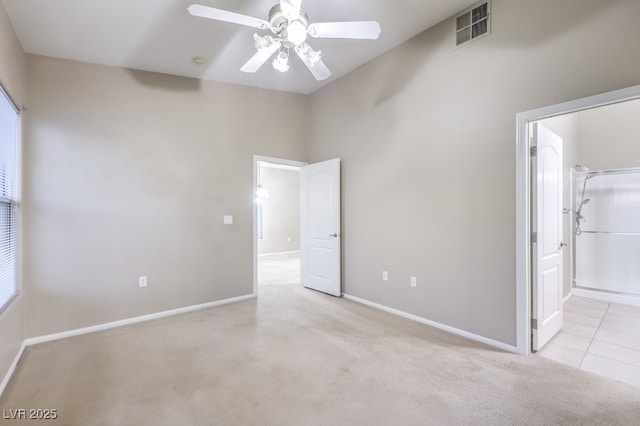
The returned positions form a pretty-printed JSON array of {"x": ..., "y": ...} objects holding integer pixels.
[{"x": 581, "y": 169}]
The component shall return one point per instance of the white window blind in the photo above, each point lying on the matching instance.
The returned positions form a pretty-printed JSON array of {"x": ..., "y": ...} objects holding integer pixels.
[{"x": 9, "y": 189}]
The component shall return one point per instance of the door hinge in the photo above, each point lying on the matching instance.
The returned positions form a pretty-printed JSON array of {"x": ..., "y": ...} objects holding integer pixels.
[
  {"x": 533, "y": 151},
  {"x": 534, "y": 237},
  {"x": 534, "y": 324}
]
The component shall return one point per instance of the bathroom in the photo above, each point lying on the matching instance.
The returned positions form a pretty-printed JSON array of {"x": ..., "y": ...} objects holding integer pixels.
[{"x": 601, "y": 237}]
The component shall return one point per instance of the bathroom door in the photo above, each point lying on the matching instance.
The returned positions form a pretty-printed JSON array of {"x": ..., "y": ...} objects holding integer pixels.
[{"x": 547, "y": 235}]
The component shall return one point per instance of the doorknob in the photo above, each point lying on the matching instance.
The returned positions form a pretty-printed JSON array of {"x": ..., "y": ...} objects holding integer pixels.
[
  {"x": 334, "y": 235},
  {"x": 562, "y": 244}
]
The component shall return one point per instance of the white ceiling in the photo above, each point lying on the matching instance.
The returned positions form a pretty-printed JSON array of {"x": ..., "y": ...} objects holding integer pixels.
[{"x": 161, "y": 36}]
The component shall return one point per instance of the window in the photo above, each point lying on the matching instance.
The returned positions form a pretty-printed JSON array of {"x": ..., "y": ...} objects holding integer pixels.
[{"x": 9, "y": 189}]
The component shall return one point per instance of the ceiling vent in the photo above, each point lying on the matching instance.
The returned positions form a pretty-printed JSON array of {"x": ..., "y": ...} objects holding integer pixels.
[{"x": 473, "y": 23}]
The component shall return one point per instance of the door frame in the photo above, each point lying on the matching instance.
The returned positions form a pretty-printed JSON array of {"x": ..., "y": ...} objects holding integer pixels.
[
  {"x": 256, "y": 160},
  {"x": 523, "y": 198}
]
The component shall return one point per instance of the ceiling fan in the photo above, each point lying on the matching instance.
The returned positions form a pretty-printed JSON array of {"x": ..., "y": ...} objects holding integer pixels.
[{"x": 290, "y": 25}]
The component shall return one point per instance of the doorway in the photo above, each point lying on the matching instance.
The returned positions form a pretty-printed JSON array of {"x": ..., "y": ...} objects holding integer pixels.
[
  {"x": 524, "y": 252},
  {"x": 599, "y": 334},
  {"x": 319, "y": 222},
  {"x": 276, "y": 221}
]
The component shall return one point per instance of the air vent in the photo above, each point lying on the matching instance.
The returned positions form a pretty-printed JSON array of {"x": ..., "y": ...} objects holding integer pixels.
[{"x": 473, "y": 23}]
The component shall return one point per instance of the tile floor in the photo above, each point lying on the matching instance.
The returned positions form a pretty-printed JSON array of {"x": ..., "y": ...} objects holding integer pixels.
[{"x": 600, "y": 337}]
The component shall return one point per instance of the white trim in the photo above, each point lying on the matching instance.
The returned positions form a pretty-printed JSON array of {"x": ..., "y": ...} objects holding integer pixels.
[
  {"x": 607, "y": 297},
  {"x": 523, "y": 186},
  {"x": 274, "y": 162},
  {"x": 279, "y": 166},
  {"x": 9, "y": 98},
  {"x": 567, "y": 297},
  {"x": 12, "y": 368},
  {"x": 277, "y": 162},
  {"x": 447, "y": 328},
  {"x": 134, "y": 320},
  {"x": 281, "y": 252}
]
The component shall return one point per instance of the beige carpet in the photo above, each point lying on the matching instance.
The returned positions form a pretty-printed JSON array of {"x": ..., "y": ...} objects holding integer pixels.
[
  {"x": 279, "y": 269},
  {"x": 297, "y": 357}
]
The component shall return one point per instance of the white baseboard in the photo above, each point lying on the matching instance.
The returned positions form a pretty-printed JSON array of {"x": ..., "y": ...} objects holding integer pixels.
[
  {"x": 114, "y": 324},
  {"x": 566, "y": 299},
  {"x": 12, "y": 368},
  {"x": 448, "y": 329},
  {"x": 106, "y": 326},
  {"x": 607, "y": 297}
]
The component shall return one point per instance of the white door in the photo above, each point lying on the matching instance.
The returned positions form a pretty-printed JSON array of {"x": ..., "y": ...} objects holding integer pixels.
[
  {"x": 547, "y": 224},
  {"x": 320, "y": 226}
]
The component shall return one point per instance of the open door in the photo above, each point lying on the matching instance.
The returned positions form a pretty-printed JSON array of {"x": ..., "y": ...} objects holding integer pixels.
[
  {"x": 320, "y": 227},
  {"x": 547, "y": 236}
]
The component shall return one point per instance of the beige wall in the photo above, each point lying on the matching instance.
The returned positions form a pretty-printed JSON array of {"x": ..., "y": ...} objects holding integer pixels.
[
  {"x": 130, "y": 174},
  {"x": 566, "y": 126},
  {"x": 427, "y": 137},
  {"x": 281, "y": 212},
  {"x": 13, "y": 79},
  {"x": 610, "y": 136}
]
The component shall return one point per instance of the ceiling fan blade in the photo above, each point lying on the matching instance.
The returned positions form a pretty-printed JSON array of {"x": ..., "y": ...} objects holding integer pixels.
[
  {"x": 319, "y": 69},
  {"x": 359, "y": 29},
  {"x": 226, "y": 16},
  {"x": 261, "y": 57},
  {"x": 291, "y": 8}
]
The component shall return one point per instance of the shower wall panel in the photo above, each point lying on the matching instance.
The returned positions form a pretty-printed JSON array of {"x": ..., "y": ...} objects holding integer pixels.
[{"x": 608, "y": 247}]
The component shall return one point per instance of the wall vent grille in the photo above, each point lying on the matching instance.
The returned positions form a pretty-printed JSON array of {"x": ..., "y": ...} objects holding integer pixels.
[{"x": 473, "y": 23}]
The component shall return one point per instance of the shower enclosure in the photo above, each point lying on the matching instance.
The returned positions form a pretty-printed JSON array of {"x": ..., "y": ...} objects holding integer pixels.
[{"x": 606, "y": 225}]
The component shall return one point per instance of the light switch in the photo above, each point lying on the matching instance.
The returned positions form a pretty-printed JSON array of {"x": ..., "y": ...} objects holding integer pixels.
[{"x": 228, "y": 220}]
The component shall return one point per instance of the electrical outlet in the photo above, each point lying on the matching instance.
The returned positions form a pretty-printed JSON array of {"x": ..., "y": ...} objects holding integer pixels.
[
  {"x": 414, "y": 282},
  {"x": 385, "y": 276},
  {"x": 142, "y": 281}
]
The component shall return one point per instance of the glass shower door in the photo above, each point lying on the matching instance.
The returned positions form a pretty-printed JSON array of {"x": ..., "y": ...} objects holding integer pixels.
[{"x": 607, "y": 238}]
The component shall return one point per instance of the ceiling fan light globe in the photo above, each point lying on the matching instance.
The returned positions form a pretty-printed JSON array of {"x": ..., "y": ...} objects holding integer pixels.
[
  {"x": 263, "y": 42},
  {"x": 296, "y": 32},
  {"x": 303, "y": 48},
  {"x": 281, "y": 62},
  {"x": 314, "y": 56}
]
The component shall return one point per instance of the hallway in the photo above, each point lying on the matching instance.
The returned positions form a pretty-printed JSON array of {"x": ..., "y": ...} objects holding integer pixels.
[{"x": 279, "y": 268}]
